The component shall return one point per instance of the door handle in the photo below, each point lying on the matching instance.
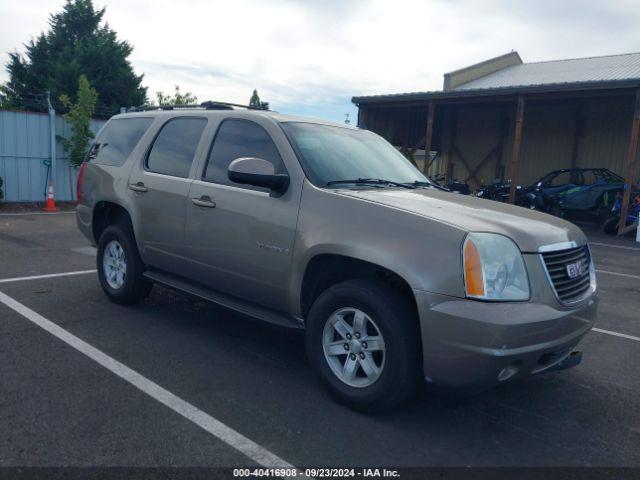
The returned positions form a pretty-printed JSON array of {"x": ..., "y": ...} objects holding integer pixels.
[
  {"x": 138, "y": 187},
  {"x": 204, "y": 201}
]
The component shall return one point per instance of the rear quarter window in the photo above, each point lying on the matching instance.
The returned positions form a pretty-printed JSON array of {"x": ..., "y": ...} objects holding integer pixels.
[{"x": 117, "y": 140}]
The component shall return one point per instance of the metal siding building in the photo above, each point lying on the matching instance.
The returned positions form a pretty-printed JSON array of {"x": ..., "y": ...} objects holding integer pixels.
[
  {"x": 24, "y": 146},
  {"x": 577, "y": 112}
]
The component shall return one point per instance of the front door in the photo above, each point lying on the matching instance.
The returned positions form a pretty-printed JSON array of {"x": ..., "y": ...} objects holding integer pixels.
[
  {"x": 239, "y": 239},
  {"x": 159, "y": 186}
]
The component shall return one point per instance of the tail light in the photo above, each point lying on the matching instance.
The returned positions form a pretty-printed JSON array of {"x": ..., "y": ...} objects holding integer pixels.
[{"x": 79, "y": 184}]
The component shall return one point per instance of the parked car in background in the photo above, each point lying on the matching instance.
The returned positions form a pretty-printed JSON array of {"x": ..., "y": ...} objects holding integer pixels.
[
  {"x": 590, "y": 191},
  {"x": 325, "y": 227}
]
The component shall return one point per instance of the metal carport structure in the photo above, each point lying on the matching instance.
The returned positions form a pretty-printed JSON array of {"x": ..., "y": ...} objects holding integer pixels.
[{"x": 503, "y": 117}]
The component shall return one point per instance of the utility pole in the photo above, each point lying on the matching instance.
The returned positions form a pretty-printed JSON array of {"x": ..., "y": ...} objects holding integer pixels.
[{"x": 50, "y": 206}]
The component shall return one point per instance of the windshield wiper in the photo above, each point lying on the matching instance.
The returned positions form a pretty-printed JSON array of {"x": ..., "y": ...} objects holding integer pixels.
[
  {"x": 372, "y": 181},
  {"x": 419, "y": 183}
]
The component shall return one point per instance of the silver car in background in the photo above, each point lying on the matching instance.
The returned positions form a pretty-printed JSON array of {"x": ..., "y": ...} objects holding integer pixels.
[{"x": 325, "y": 227}]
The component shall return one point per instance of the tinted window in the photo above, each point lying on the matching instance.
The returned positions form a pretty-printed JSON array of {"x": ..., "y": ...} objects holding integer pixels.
[
  {"x": 175, "y": 146},
  {"x": 117, "y": 140},
  {"x": 236, "y": 139}
]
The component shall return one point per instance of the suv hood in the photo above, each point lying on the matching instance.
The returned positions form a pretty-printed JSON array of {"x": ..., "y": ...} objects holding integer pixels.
[{"x": 528, "y": 228}]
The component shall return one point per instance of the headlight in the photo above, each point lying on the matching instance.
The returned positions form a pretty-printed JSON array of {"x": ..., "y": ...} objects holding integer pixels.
[
  {"x": 493, "y": 268},
  {"x": 592, "y": 271}
]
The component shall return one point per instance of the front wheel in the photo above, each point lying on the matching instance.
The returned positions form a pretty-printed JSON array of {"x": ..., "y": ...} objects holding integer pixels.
[
  {"x": 363, "y": 341},
  {"x": 120, "y": 268}
]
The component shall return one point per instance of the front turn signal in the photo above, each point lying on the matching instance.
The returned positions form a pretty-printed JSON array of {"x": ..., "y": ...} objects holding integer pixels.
[{"x": 473, "y": 275}]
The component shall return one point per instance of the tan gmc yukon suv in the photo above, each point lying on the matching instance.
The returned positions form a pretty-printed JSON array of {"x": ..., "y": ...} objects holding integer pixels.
[{"x": 325, "y": 227}]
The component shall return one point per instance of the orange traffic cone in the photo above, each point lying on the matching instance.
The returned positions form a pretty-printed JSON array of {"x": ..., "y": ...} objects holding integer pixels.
[{"x": 50, "y": 206}]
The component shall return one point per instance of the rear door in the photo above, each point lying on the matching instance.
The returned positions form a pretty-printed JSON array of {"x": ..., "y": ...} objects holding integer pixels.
[
  {"x": 159, "y": 189},
  {"x": 239, "y": 238}
]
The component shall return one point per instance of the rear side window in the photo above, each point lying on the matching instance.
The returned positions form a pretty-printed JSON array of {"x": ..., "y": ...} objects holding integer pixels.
[
  {"x": 175, "y": 146},
  {"x": 236, "y": 139},
  {"x": 117, "y": 140}
]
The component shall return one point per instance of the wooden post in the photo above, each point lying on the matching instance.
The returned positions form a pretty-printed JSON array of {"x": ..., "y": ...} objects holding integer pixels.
[
  {"x": 631, "y": 164},
  {"x": 577, "y": 135},
  {"x": 451, "y": 141},
  {"x": 517, "y": 141},
  {"x": 428, "y": 136},
  {"x": 503, "y": 134}
]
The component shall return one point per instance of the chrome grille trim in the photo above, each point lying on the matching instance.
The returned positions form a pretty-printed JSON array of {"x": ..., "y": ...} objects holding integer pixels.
[{"x": 568, "y": 290}]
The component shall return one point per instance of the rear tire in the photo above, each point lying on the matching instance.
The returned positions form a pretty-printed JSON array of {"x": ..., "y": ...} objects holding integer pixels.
[
  {"x": 387, "y": 370},
  {"x": 610, "y": 226},
  {"x": 120, "y": 267}
]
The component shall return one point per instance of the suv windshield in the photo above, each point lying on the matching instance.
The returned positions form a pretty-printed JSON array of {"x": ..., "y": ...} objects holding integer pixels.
[{"x": 334, "y": 156}]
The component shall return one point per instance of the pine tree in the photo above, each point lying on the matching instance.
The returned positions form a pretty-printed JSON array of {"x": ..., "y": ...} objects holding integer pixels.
[
  {"x": 255, "y": 102},
  {"x": 77, "y": 43}
]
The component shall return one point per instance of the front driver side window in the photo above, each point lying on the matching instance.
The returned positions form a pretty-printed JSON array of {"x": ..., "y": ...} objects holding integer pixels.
[{"x": 238, "y": 138}]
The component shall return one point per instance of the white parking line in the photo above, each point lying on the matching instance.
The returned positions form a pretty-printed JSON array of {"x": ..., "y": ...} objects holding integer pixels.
[
  {"x": 244, "y": 445},
  {"x": 627, "y": 275},
  {"x": 35, "y": 213},
  {"x": 614, "y": 246},
  {"x": 50, "y": 275},
  {"x": 616, "y": 334}
]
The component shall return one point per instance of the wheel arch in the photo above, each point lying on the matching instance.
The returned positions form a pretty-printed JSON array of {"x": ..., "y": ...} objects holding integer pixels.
[
  {"x": 107, "y": 213},
  {"x": 324, "y": 270}
]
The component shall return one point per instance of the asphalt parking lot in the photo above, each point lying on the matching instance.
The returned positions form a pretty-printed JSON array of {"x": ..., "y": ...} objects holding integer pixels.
[{"x": 247, "y": 380}]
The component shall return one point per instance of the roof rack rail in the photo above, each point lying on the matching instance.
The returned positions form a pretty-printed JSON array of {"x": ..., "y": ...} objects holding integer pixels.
[{"x": 208, "y": 105}]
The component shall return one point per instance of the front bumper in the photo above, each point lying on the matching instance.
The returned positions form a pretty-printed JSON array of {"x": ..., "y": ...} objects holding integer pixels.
[{"x": 471, "y": 344}]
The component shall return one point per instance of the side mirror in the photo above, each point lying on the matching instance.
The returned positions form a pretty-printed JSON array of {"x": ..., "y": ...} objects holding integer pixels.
[{"x": 257, "y": 172}]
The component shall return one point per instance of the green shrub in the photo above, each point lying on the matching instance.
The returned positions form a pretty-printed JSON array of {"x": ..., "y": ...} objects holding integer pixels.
[{"x": 79, "y": 119}]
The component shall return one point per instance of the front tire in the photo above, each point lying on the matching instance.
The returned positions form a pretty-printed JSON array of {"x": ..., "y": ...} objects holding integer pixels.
[
  {"x": 120, "y": 267},
  {"x": 363, "y": 341}
]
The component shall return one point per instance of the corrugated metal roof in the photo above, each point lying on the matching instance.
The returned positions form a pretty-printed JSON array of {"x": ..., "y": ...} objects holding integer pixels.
[
  {"x": 615, "y": 71},
  {"x": 575, "y": 70}
]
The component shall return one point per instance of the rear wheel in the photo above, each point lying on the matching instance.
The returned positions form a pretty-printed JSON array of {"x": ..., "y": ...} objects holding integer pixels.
[
  {"x": 610, "y": 226},
  {"x": 363, "y": 341},
  {"x": 119, "y": 265}
]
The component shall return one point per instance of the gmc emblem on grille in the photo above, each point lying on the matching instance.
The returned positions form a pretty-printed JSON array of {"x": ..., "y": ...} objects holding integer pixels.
[{"x": 576, "y": 269}]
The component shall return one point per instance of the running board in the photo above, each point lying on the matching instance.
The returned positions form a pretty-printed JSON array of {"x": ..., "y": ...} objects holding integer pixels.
[{"x": 224, "y": 300}]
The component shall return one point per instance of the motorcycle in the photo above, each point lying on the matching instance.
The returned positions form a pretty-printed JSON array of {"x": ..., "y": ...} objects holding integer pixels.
[
  {"x": 499, "y": 191},
  {"x": 455, "y": 186},
  {"x": 610, "y": 226}
]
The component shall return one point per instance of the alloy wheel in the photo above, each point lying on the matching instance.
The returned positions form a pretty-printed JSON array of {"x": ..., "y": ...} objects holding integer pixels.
[
  {"x": 353, "y": 347},
  {"x": 114, "y": 264}
]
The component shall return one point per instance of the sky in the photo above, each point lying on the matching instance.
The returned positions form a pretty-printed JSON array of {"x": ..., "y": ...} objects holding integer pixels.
[{"x": 310, "y": 57}]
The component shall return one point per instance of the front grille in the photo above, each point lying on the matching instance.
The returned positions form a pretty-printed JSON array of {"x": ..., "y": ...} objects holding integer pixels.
[{"x": 568, "y": 290}]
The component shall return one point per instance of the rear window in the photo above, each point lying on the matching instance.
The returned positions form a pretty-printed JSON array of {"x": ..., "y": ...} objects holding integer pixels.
[
  {"x": 175, "y": 146},
  {"x": 117, "y": 140}
]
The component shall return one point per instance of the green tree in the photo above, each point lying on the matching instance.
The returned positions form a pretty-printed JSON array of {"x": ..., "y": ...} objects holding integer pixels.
[
  {"x": 178, "y": 98},
  {"x": 255, "y": 102},
  {"x": 79, "y": 118},
  {"x": 77, "y": 43}
]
